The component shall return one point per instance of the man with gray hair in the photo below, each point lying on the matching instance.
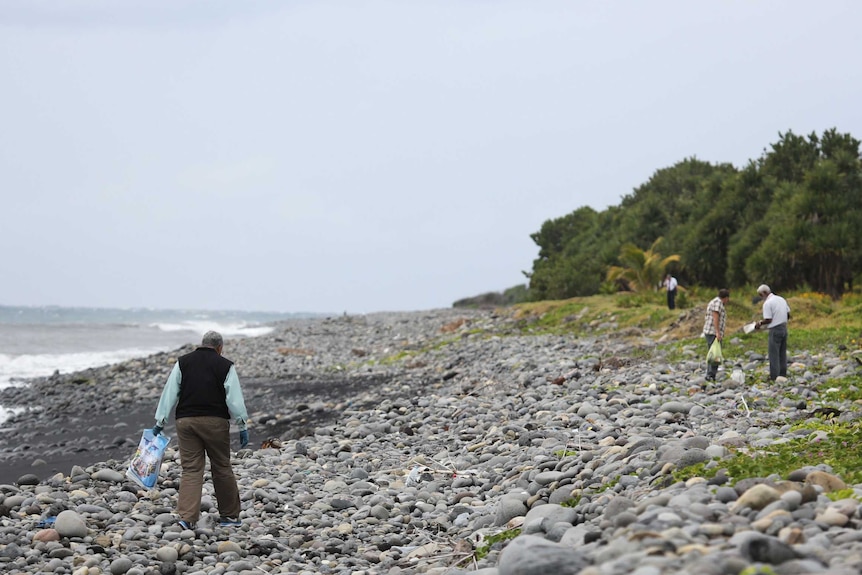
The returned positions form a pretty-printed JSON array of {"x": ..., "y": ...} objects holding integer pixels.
[
  {"x": 776, "y": 312},
  {"x": 205, "y": 388}
]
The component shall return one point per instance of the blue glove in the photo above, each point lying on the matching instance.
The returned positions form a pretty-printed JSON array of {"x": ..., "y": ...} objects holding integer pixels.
[
  {"x": 157, "y": 430},
  {"x": 243, "y": 438}
]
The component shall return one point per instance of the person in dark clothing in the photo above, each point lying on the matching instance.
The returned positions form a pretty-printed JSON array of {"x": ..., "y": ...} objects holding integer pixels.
[
  {"x": 205, "y": 388},
  {"x": 670, "y": 284}
]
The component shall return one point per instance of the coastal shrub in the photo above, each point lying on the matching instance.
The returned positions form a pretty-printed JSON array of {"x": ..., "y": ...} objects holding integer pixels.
[
  {"x": 739, "y": 311},
  {"x": 848, "y": 493},
  {"x": 835, "y": 448},
  {"x": 516, "y": 294},
  {"x": 821, "y": 300},
  {"x": 852, "y": 299},
  {"x": 808, "y": 305}
]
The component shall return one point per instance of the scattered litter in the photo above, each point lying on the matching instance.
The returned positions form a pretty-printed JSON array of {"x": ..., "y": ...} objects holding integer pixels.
[
  {"x": 745, "y": 404},
  {"x": 414, "y": 477},
  {"x": 46, "y": 522}
]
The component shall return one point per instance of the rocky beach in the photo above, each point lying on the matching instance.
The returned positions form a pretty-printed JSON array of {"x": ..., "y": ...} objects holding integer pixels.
[{"x": 444, "y": 442}]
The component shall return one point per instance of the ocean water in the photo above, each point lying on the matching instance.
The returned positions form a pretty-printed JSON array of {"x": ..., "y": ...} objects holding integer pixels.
[{"x": 37, "y": 341}]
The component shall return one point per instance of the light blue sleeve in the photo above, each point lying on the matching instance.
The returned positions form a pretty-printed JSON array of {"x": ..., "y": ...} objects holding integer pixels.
[
  {"x": 233, "y": 397},
  {"x": 170, "y": 395}
]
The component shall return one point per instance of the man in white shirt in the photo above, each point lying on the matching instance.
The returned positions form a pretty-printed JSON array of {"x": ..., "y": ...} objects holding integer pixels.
[
  {"x": 776, "y": 312},
  {"x": 670, "y": 284}
]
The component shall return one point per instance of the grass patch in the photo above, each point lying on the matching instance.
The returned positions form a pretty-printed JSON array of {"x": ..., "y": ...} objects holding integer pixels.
[
  {"x": 396, "y": 357},
  {"x": 818, "y": 339},
  {"x": 811, "y": 312},
  {"x": 594, "y": 314},
  {"x": 842, "y": 389},
  {"x": 836, "y": 448}
]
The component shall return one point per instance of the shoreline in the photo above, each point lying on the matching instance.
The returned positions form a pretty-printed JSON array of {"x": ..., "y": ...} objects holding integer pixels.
[{"x": 110, "y": 405}]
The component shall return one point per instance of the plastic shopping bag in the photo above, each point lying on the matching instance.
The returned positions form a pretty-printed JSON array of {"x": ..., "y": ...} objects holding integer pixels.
[
  {"x": 714, "y": 354},
  {"x": 147, "y": 460}
]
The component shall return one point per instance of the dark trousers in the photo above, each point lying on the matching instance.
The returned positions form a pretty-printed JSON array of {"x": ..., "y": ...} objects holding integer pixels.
[
  {"x": 671, "y": 299},
  {"x": 201, "y": 438},
  {"x": 778, "y": 351}
]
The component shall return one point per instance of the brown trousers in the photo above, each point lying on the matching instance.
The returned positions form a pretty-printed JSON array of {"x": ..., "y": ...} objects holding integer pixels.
[{"x": 199, "y": 438}]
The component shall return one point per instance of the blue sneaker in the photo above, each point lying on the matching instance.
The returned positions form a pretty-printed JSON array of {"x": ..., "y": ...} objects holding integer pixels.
[
  {"x": 186, "y": 525},
  {"x": 229, "y": 522}
]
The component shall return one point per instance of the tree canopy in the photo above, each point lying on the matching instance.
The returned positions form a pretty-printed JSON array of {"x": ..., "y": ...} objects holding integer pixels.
[
  {"x": 791, "y": 218},
  {"x": 641, "y": 270}
]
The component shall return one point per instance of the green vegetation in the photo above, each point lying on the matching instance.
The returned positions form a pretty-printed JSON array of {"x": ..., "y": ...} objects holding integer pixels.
[
  {"x": 842, "y": 389},
  {"x": 789, "y": 218},
  {"x": 843, "y": 494},
  {"x": 836, "y": 447},
  {"x": 483, "y": 549},
  {"x": 641, "y": 270},
  {"x": 396, "y": 357},
  {"x": 513, "y": 295},
  {"x": 758, "y": 570},
  {"x": 818, "y": 323}
]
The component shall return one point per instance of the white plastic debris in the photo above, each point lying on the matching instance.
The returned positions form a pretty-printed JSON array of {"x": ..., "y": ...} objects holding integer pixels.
[{"x": 414, "y": 477}]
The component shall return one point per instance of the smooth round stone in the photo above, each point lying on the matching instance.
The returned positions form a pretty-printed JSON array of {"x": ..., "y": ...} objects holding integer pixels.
[
  {"x": 229, "y": 547},
  {"x": 70, "y": 524},
  {"x": 46, "y": 535},
  {"x": 109, "y": 475},
  {"x": 716, "y": 451},
  {"x": 120, "y": 565},
  {"x": 726, "y": 494},
  {"x": 167, "y": 554}
]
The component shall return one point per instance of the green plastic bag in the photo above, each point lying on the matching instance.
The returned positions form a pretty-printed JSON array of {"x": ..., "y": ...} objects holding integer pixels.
[{"x": 714, "y": 354}]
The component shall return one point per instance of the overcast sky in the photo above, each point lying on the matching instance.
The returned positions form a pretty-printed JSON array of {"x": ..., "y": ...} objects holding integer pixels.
[{"x": 328, "y": 156}]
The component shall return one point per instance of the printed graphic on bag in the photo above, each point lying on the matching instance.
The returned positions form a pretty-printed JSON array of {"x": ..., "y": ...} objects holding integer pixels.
[{"x": 147, "y": 459}]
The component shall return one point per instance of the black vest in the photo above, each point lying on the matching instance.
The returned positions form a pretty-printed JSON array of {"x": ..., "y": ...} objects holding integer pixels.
[{"x": 202, "y": 386}]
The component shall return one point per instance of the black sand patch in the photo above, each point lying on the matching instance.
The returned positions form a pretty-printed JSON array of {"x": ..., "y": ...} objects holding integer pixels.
[{"x": 286, "y": 409}]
